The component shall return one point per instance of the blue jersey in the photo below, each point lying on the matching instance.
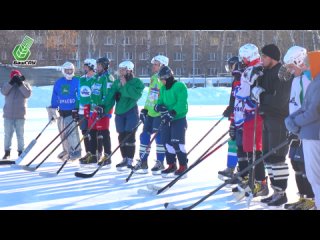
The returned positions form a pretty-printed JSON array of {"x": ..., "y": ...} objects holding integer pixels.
[{"x": 65, "y": 93}]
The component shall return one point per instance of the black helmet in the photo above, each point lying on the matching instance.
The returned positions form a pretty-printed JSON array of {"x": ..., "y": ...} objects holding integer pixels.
[
  {"x": 165, "y": 72},
  {"x": 232, "y": 63},
  {"x": 104, "y": 61}
]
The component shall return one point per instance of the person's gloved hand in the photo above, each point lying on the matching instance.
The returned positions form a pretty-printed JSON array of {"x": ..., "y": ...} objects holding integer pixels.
[
  {"x": 255, "y": 93},
  {"x": 160, "y": 108},
  {"x": 284, "y": 75},
  {"x": 117, "y": 96},
  {"x": 232, "y": 132},
  {"x": 52, "y": 114},
  {"x": 227, "y": 112},
  {"x": 143, "y": 115},
  {"x": 167, "y": 116},
  {"x": 100, "y": 111},
  {"x": 75, "y": 114}
]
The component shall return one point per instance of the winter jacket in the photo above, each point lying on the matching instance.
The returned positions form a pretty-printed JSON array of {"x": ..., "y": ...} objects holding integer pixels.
[
  {"x": 15, "y": 100},
  {"x": 307, "y": 118},
  {"x": 153, "y": 95},
  {"x": 175, "y": 98},
  {"x": 129, "y": 94},
  {"x": 275, "y": 99}
]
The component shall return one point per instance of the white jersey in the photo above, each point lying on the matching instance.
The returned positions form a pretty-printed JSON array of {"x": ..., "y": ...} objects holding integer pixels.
[
  {"x": 298, "y": 90},
  {"x": 243, "y": 101}
]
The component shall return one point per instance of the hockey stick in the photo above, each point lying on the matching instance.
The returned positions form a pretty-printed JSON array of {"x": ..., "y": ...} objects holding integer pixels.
[
  {"x": 156, "y": 191},
  {"x": 48, "y": 174},
  {"x": 272, "y": 151},
  {"x": 146, "y": 151},
  {"x": 205, "y": 135},
  {"x": 89, "y": 175},
  {"x": 32, "y": 169},
  {"x": 22, "y": 166}
]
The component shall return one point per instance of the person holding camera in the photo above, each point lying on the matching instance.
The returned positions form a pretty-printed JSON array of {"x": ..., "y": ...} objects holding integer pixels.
[{"x": 16, "y": 92}]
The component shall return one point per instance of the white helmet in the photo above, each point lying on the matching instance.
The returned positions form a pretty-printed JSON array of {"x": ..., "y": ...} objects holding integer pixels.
[
  {"x": 295, "y": 55},
  {"x": 248, "y": 53},
  {"x": 163, "y": 60},
  {"x": 91, "y": 63},
  {"x": 127, "y": 64},
  {"x": 65, "y": 66}
]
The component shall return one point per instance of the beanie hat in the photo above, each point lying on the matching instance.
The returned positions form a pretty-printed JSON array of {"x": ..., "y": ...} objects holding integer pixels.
[
  {"x": 14, "y": 73},
  {"x": 271, "y": 51}
]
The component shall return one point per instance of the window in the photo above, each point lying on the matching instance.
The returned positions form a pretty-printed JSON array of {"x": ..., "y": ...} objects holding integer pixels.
[
  {"x": 229, "y": 55},
  {"x": 214, "y": 41},
  {"x": 108, "y": 41},
  {"x": 144, "y": 71},
  {"x": 229, "y": 41},
  {"x": 196, "y": 71},
  {"x": 197, "y": 56},
  {"x": 3, "y": 55},
  {"x": 109, "y": 55},
  {"x": 178, "y": 56},
  {"x": 40, "y": 55},
  {"x": 179, "y": 72},
  {"x": 178, "y": 41},
  {"x": 126, "y": 41},
  {"x": 196, "y": 40},
  {"x": 128, "y": 56},
  {"x": 212, "y": 56},
  {"x": 162, "y": 40},
  {"x": 74, "y": 56},
  {"x": 143, "y": 56},
  {"x": 212, "y": 71},
  {"x": 57, "y": 56},
  {"x": 143, "y": 41}
]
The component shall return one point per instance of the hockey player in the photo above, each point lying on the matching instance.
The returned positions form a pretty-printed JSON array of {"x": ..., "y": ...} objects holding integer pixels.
[
  {"x": 89, "y": 67},
  {"x": 173, "y": 106},
  {"x": 295, "y": 62},
  {"x": 151, "y": 120},
  {"x": 246, "y": 118},
  {"x": 232, "y": 66},
  {"x": 274, "y": 100},
  {"x": 64, "y": 97},
  {"x": 125, "y": 93},
  {"x": 100, "y": 87}
]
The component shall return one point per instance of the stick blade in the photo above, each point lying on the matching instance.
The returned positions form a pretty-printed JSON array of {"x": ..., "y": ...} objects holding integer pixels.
[
  {"x": 153, "y": 187},
  {"x": 30, "y": 169},
  {"x": 7, "y": 162},
  {"x": 147, "y": 192},
  {"x": 47, "y": 174},
  {"x": 171, "y": 206},
  {"x": 16, "y": 166},
  {"x": 83, "y": 175}
]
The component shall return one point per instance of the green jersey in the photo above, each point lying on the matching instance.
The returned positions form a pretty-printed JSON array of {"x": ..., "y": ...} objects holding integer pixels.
[
  {"x": 175, "y": 98},
  {"x": 129, "y": 95},
  {"x": 84, "y": 92},
  {"x": 100, "y": 88},
  {"x": 153, "y": 95}
]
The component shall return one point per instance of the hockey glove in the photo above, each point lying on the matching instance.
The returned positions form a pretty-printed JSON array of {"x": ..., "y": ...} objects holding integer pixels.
[
  {"x": 291, "y": 125},
  {"x": 232, "y": 132},
  {"x": 255, "y": 93},
  {"x": 75, "y": 114},
  {"x": 256, "y": 72},
  {"x": 167, "y": 117},
  {"x": 294, "y": 140},
  {"x": 284, "y": 75},
  {"x": 100, "y": 111},
  {"x": 143, "y": 115},
  {"x": 52, "y": 114},
  {"x": 227, "y": 112},
  {"x": 160, "y": 108},
  {"x": 117, "y": 96}
]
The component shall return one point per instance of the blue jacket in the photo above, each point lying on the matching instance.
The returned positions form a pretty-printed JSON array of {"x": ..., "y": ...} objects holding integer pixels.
[
  {"x": 307, "y": 118},
  {"x": 65, "y": 93}
]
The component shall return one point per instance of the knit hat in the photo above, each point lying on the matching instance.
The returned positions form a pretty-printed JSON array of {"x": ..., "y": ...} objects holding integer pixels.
[
  {"x": 271, "y": 51},
  {"x": 15, "y": 72}
]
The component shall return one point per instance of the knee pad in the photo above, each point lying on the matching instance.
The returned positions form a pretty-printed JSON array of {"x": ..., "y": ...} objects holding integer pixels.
[{"x": 170, "y": 149}]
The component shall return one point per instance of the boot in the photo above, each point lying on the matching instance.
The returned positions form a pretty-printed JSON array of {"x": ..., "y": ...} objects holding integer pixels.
[
  {"x": 90, "y": 159},
  {"x": 157, "y": 168},
  {"x": 181, "y": 170},
  {"x": 141, "y": 167},
  {"x": 105, "y": 161},
  {"x": 278, "y": 198},
  {"x": 226, "y": 174},
  {"x": 123, "y": 166},
  {"x": 170, "y": 169},
  {"x": 261, "y": 188},
  {"x": 6, "y": 155}
]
